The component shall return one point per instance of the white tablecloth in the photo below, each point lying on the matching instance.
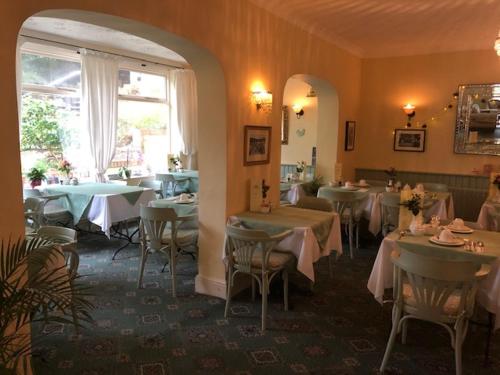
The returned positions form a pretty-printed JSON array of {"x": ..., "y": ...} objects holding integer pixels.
[
  {"x": 381, "y": 278},
  {"x": 444, "y": 208},
  {"x": 304, "y": 245},
  {"x": 106, "y": 209},
  {"x": 486, "y": 220}
]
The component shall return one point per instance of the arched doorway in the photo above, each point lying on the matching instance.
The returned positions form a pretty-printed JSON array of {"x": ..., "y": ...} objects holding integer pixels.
[
  {"x": 312, "y": 133},
  {"x": 212, "y": 136}
]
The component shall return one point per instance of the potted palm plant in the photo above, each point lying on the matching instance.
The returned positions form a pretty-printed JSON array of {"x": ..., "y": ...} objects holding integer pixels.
[
  {"x": 30, "y": 289},
  {"x": 36, "y": 176}
]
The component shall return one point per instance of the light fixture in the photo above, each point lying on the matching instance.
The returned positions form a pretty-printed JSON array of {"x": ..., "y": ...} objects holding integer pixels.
[
  {"x": 311, "y": 93},
  {"x": 299, "y": 111},
  {"x": 497, "y": 45},
  {"x": 263, "y": 100},
  {"x": 409, "y": 109}
]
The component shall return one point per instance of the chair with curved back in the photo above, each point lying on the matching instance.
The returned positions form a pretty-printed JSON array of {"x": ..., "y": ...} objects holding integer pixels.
[
  {"x": 156, "y": 185},
  {"x": 389, "y": 207},
  {"x": 251, "y": 252},
  {"x": 161, "y": 230},
  {"x": 437, "y": 290},
  {"x": 315, "y": 203},
  {"x": 345, "y": 203},
  {"x": 170, "y": 183},
  {"x": 434, "y": 187}
]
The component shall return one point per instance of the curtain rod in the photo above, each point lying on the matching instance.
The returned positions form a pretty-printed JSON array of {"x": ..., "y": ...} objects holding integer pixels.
[{"x": 96, "y": 50}]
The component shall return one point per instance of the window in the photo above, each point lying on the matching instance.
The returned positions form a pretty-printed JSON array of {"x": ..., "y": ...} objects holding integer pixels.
[{"x": 51, "y": 129}]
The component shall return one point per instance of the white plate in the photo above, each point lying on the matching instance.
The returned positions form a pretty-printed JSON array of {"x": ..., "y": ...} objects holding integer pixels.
[
  {"x": 184, "y": 202},
  {"x": 353, "y": 188},
  {"x": 465, "y": 230},
  {"x": 456, "y": 242}
]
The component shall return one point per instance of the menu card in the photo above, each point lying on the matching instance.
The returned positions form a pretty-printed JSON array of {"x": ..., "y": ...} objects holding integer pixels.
[{"x": 255, "y": 194}]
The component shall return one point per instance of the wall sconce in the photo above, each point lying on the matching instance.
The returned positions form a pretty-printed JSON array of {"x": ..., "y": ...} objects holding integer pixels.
[
  {"x": 299, "y": 111},
  {"x": 409, "y": 109},
  {"x": 263, "y": 100}
]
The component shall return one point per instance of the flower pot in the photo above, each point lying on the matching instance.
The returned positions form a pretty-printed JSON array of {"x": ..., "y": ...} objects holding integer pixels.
[{"x": 35, "y": 183}]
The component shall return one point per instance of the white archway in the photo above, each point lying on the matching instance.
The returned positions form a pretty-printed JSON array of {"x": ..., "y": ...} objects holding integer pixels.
[
  {"x": 328, "y": 124},
  {"x": 212, "y": 135}
]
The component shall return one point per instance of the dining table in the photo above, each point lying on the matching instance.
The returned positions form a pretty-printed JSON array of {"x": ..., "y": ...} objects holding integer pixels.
[
  {"x": 315, "y": 234},
  {"x": 369, "y": 200},
  {"x": 488, "y": 295},
  {"x": 103, "y": 204},
  {"x": 489, "y": 216},
  {"x": 181, "y": 208}
]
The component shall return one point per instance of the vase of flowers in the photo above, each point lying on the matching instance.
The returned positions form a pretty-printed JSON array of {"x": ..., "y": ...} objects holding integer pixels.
[
  {"x": 36, "y": 176},
  {"x": 265, "y": 206},
  {"x": 391, "y": 174},
  {"x": 65, "y": 168},
  {"x": 124, "y": 172},
  {"x": 414, "y": 206},
  {"x": 301, "y": 170}
]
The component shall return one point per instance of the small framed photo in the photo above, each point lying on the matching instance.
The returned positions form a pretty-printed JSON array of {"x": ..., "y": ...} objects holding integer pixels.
[
  {"x": 412, "y": 140},
  {"x": 257, "y": 144},
  {"x": 350, "y": 134}
]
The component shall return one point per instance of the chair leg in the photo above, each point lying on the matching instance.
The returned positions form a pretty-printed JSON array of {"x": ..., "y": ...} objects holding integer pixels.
[
  {"x": 459, "y": 332},
  {"x": 228, "y": 291},
  {"x": 351, "y": 250},
  {"x": 253, "y": 288},
  {"x": 172, "y": 270},
  {"x": 284, "y": 275},
  {"x": 144, "y": 256},
  {"x": 357, "y": 235},
  {"x": 392, "y": 337},
  {"x": 405, "y": 332},
  {"x": 265, "y": 288}
]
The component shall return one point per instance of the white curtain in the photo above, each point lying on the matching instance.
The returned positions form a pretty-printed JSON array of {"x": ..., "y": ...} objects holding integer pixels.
[
  {"x": 183, "y": 98},
  {"x": 99, "y": 106}
]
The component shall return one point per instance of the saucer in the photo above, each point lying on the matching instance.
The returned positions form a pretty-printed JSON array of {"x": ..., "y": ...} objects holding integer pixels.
[
  {"x": 463, "y": 230},
  {"x": 455, "y": 242},
  {"x": 352, "y": 188}
]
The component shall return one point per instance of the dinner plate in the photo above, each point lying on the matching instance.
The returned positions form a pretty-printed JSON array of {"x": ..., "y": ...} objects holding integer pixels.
[
  {"x": 352, "y": 188},
  {"x": 456, "y": 242},
  {"x": 185, "y": 201},
  {"x": 465, "y": 230}
]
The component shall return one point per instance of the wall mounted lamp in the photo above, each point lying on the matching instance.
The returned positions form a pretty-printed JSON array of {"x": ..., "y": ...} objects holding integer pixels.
[
  {"x": 263, "y": 100},
  {"x": 497, "y": 45},
  {"x": 299, "y": 111},
  {"x": 409, "y": 109}
]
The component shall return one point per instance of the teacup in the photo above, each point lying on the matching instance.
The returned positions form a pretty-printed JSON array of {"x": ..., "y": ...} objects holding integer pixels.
[
  {"x": 446, "y": 236},
  {"x": 348, "y": 184},
  {"x": 458, "y": 223},
  {"x": 183, "y": 197},
  {"x": 362, "y": 182}
]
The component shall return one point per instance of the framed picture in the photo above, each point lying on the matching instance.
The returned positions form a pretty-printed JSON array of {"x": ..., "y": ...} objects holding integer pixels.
[
  {"x": 284, "y": 125},
  {"x": 350, "y": 134},
  {"x": 409, "y": 140},
  {"x": 257, "y": 144}
]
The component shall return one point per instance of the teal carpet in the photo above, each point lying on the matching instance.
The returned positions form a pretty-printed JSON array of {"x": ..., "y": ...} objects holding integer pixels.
[{"x": 336, "y": 329}]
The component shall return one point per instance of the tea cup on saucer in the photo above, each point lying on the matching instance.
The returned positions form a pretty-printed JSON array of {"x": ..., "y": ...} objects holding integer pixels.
[
  {"x": 348, "y": 184},
  {"x": 362, "y": 183},
  {"x": 183, "y": 197}
]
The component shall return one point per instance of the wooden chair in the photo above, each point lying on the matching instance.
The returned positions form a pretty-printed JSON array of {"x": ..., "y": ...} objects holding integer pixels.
[
  {"x": 437, "y": 290},
  {"x": 345, "y": 203},
  {"x": 315, "y": 203},
  {"x": 160, "y": 229},
  {"x": 156, "y": 185},
  {"x": 251, "y": 252},
  {"x": 389, "y": 207}
]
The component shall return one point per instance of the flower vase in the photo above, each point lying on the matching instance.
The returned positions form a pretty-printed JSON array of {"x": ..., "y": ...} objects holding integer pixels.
[
  {"x": 302, "y": 176},
  {"x": 416, "y": 225}
]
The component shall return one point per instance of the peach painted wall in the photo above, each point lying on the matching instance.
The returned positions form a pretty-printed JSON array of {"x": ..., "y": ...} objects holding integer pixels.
[
  {"x": 428, "y": 82},
  {"x": 250, "y": 45}
]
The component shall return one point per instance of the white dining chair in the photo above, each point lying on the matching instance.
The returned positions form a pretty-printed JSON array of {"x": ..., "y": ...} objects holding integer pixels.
[
  {"x": 390, "y": 204},
  {"x": 432, "y": 289},
  {"x": 251, "y": 252},
  {"x": 156, "y": 185}
]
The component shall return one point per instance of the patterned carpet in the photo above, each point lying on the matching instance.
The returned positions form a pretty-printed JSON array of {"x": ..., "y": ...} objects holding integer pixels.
[{"x": 336, "y": 329}]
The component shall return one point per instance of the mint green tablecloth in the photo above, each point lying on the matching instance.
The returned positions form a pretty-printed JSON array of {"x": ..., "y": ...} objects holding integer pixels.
[
  {"x": 191, "y": 186},
  {"x": 80, "y": 196},
  {"x": 491, "y": 242},
  {"x": 182, "y": 209},
  {"x": 284, "y": 218}
]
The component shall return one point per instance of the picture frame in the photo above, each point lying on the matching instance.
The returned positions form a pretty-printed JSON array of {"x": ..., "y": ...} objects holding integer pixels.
[
  {"x": 285, "y": 128},
  {"x": 409, "y": 140},
  {"x": 350, "y": 135},
  {"x": 257, "y": 145}
]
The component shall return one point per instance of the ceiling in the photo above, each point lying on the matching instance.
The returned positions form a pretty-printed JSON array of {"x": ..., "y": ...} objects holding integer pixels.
[
  {"x": 99, "y": 37},
  {"x": 383, "y": 28}
]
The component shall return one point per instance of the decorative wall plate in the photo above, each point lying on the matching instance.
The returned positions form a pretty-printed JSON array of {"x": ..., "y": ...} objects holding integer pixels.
[{"x": 300, "y": 132}]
